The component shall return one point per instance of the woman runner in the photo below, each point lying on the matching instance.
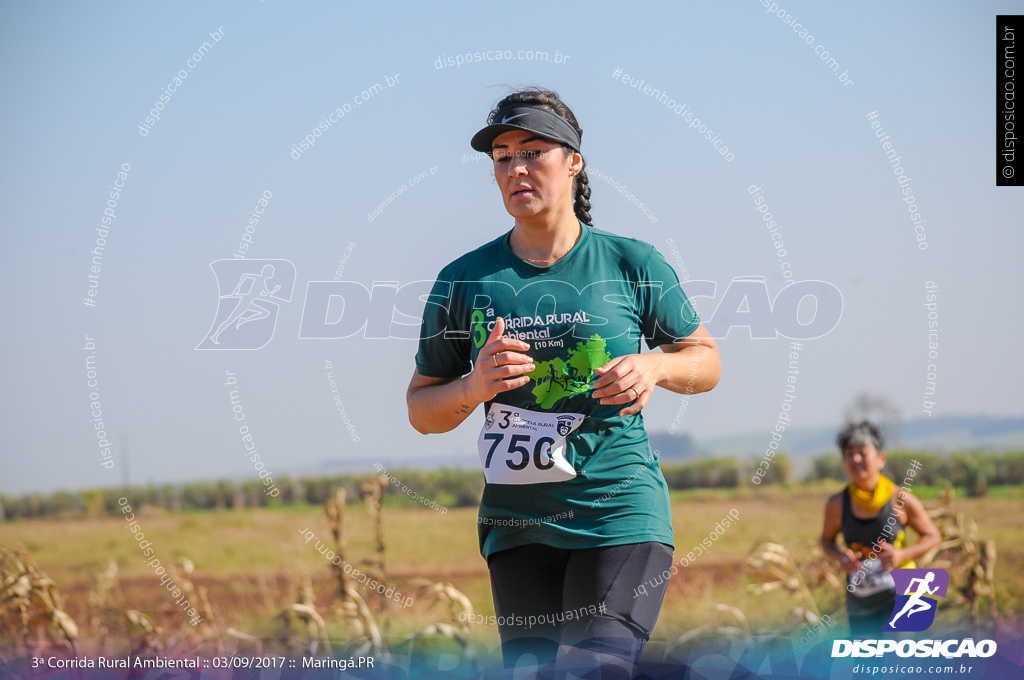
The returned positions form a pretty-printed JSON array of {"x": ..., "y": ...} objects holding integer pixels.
[
  {"x": 872, "y": 513},
  {"x": 542, "y": 326}
]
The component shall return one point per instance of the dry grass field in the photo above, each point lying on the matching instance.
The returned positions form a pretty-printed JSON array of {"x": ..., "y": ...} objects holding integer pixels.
[{"x": 253, "y": 562}]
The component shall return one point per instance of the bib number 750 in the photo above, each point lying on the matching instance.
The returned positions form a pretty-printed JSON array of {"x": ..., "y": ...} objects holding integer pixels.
[
  {"x": 519, "y": 446},
  {"x": 541, "y": 459}
]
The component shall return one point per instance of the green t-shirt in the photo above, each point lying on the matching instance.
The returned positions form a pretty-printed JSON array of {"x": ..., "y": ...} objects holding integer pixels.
[{"x": 594, "y": 304}]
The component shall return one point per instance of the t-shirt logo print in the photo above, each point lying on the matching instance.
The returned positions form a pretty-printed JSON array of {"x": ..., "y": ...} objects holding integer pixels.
[
  {"x": 559, "y": 378},
  {"x": 916, "y": 593}
]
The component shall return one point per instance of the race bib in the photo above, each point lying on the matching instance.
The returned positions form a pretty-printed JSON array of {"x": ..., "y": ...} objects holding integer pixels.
[
  {"x": 518, "y": 446},
  {"x": 874, "y": 580}
]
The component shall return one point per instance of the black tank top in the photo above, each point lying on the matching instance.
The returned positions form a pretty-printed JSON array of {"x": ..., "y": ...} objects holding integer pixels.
[{"x": 860, "y": 534}]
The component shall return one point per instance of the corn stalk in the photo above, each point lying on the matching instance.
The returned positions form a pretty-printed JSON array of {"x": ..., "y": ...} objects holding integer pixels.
[
  {"x": 372, "y": 491},
  {"x": 105, "y": 602},
  {"x": 31, "y": 611},
  {"x": 335, "y": 511},
  {"x": 313, "y": 638},
  {"x": 968, "y": 558},
  {"x": 777, "y": 569}
]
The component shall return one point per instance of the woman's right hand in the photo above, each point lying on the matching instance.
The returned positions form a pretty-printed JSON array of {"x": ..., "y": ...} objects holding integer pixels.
[{"x": 497, "y": 361}]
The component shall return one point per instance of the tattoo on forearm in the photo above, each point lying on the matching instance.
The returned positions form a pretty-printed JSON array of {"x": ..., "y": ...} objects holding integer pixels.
[{"x": 463, "y": 410}]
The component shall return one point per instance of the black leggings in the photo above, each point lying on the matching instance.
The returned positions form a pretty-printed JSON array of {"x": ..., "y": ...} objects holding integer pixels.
[
  {"x": 584, "y": 600},
  {"x": 868, "y": 615}
]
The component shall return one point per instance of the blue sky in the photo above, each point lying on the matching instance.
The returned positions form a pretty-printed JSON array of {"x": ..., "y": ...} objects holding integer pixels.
[{"x": 79, "y": 78}]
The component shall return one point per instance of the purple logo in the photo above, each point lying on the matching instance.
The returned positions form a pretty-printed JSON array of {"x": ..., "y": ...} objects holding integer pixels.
[{"x": 917, "y": 591}]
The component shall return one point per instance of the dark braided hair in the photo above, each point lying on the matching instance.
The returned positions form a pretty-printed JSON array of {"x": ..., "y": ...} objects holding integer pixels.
[{"x": 550, "y": 100}]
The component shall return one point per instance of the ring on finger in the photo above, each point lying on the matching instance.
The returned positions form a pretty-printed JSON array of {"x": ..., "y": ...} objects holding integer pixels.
[
  {"x": 636, "y": 393},
  {"x": 495, "y": 357}
]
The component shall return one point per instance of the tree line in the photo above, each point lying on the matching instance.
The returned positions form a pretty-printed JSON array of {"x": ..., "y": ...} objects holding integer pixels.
[{"x": 456, "y": 488}]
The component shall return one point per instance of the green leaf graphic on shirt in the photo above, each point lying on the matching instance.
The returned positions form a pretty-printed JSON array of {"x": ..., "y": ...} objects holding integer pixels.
[
  {"x": 557, "y": 379},
  {"x": 589, "y": 355}
]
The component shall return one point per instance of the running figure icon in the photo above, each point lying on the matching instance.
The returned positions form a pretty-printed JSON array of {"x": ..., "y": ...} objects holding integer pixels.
[
  {"x": 249, "y": 304},
  {"x": 915, "y": 603}
]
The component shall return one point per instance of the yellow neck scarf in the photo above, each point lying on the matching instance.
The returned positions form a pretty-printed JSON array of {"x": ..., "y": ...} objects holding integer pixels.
[{"x": 872, "y": 501}]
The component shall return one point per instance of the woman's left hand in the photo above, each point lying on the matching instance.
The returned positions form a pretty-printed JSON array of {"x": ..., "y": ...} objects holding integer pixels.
[{"x": 629, "y": 379}]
